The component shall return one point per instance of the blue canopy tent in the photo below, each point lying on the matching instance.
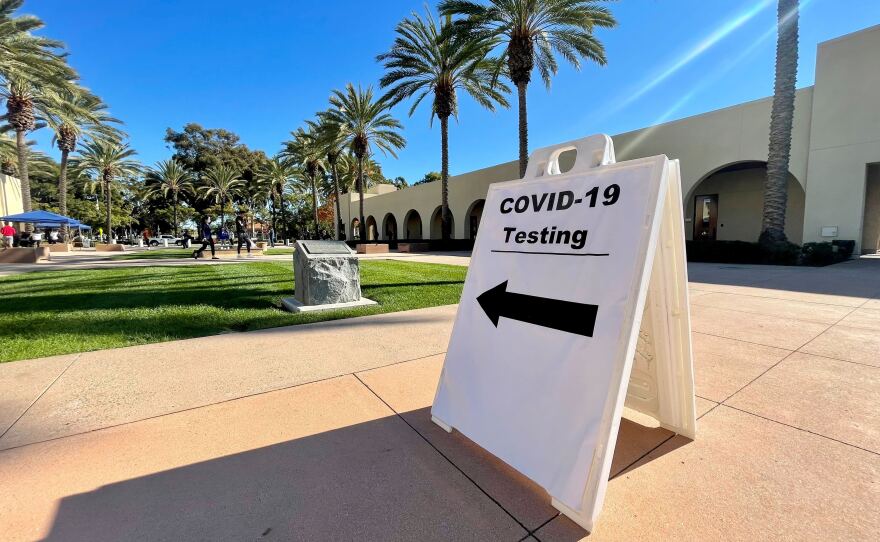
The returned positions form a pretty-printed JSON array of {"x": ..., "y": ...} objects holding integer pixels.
[
  {"x": 41, "y": 218},
  {"x": 45, "y": 219}
]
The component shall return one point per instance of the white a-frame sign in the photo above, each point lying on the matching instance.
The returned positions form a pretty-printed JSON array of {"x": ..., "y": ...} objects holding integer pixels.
[{"x": 575, "y": 303}]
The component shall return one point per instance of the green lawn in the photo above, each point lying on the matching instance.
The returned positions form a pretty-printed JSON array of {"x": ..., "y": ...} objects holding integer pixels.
[
  {"x": 278, "y": 251},
  {"x": 168, "y": 253},
  {"x": 156, "y": 254},
  {"x": 59, "y": 312}
]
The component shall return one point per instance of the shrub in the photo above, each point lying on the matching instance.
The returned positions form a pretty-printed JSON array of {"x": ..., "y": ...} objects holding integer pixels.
[{"x": 821, "y": 254}]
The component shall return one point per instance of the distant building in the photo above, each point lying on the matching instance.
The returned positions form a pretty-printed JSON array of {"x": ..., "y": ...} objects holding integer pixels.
[
  {"x": 834, "y": 183},
  {"x": 10, "y": 196}
]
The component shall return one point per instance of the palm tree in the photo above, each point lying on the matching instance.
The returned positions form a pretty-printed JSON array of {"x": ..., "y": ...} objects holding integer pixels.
[
  {"x": 427, "y": 59},
  {"x": 331, "y": 137},
  {"x": 781, "y": 118},
  {"x": 306, "y": 151},
  {"x": 531, "y": 31},
  {"x": 77, "y": 113},
  {"x": 169, "y": 177},
  {"x": 221, "y": 183},
  {"x": 108, "y": 161},
  {"x": 364, "y": 123},
  {"x": 278, "y": 173},
  {"x": 31, "y": 73}
]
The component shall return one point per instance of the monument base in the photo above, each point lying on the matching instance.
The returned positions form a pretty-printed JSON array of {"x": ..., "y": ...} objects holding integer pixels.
[{"x": 291, "y": 304}]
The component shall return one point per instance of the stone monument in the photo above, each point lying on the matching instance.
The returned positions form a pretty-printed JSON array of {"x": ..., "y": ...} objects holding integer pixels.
[{"x": 327, "y": 276}]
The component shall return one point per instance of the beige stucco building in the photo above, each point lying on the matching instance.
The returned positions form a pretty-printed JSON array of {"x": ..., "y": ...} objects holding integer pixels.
[
  {"x": 10, "y": 196},
  {"x": 834, "y": 187}
]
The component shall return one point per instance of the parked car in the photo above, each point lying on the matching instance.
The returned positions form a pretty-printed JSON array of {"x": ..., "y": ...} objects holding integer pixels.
[{"x": 156, "y": 241}]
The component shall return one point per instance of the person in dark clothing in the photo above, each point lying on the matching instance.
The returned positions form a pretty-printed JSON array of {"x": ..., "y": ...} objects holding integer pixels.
[
  {"x": 241, "y": 232},
  {"x": 206, "y": 237}
]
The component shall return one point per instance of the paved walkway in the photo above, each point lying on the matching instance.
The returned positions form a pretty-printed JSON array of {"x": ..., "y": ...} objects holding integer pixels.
[
  {"x": 323, "y": 432},
  {"x": 93, "y": 260}
]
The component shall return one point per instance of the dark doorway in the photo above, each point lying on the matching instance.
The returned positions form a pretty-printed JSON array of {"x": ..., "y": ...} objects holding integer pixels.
[{"x": 705, "y": 217}]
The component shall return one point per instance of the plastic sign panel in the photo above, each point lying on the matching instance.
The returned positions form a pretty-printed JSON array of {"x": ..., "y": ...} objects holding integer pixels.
[{"x": 542, "y": 348}]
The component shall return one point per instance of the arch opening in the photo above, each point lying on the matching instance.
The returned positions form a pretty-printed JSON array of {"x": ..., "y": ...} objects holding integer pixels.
[
  {"x": 412, "y": 224},
  {"x": 389, "y": 227},
  {"x": 474, "y": 215},
  {"x": 355, "y": 229},
  {"x": 437, "y": 224},
  {"x": 372, "y": 230},
  {"x": 728, "y": 203}
]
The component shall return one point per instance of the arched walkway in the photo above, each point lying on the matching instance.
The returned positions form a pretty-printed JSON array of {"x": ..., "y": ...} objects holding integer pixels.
[
  {"x": 372, "y": 230},
  {"x": 727, "y": 205},
  {"x": 437, "y": 224},
  {"x": 413, "y": 225},
  {"x": 389, "y": 227},
  {"x": 474, "y": 214},
  {"x": 355, "y": 229}
]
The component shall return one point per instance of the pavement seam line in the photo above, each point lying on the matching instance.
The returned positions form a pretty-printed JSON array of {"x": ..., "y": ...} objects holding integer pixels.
[
  {"x": 820, "y": 435},
  {"x": 773, "y": 315},
  {"x": 231, "y": 399},
  {"x": 444, "y": 456},
  {"x": 782, "y": 299},
  {"x": 40, "y": 396}
]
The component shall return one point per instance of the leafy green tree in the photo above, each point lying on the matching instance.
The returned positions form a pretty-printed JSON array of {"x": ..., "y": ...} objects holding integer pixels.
[
  {"x": 531, "y": 31},
  {"x": 221, "y": 183},
  {"x": 426, "y": 60},
  {"x": 110, "y": 162},
  {"x": 399, "y": 182},
  {"x": 429, "y": 177},
  {"x": 32, "y": 72},
  {"x": 169, "y": 177},
  {"x": 781, "y": 120},
  {"x": 364, "y": 123}
]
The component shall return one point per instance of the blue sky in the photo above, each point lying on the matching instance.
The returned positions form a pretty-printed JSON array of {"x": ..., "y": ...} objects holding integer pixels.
[{"x": 260, "y": 68}]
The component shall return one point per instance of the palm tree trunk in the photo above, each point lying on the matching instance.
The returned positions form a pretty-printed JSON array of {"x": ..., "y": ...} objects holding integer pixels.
[
  {"x": 781, "y": 118},
  {"x": 523, "y": 128},
  {"x": 362, "y": 225},
  {"x": 175, "y": 214},
  {"x": 315, "y": 205},
  {"x": 336, "y": 226},
  {"x": 24, "y": 179},
  {"x": 222, "y": 212},
  {"x": 109, "y": 209},
  {"x": 444, "y": 179},
  {"x": 62, "y": 192},
  {"x": 283, "y": 217}
]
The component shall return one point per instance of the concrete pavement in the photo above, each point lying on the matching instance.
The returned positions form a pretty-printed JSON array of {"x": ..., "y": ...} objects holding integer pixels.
[{"x": 322, "y": 432}]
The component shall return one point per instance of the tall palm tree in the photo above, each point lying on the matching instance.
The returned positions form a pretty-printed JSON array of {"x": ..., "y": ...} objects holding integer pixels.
[
  {"x": 109, "y": 161},
  {"x": 781, "y": 119},
  {"x": 365, "y": 123},
  {"x": 32, "y": 71},
  {"x": 221, "y": 183},
  {"x": 331, "y": 137},
  {"x": 306, "y": 151},
  {"x": 427, "y": 59},
  {"x": 531, "y": 31},
  {"x": 169, "y": 177},
  {"x": 77, "y": 113},
  {"x": 278, "y": 173}
]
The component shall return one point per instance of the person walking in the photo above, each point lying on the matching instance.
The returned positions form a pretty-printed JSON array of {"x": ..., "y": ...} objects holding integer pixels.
[
  {"x": 207, "y": 239},
  {"x": 241, "y": 232},
  {"x": 271, "y": 237},
  {"x": 8, "y": 233}
]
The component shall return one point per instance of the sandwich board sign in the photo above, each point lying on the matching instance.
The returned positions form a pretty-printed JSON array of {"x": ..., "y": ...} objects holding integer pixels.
[{"x": 575, "y": 304}]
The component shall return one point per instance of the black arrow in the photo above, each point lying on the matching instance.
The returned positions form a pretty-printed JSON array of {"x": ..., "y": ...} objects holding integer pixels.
[{"x": 578, "y": 318}]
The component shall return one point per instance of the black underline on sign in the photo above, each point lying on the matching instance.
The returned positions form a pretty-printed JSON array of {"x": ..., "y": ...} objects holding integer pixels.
[{"x": 551, "y": 253}]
